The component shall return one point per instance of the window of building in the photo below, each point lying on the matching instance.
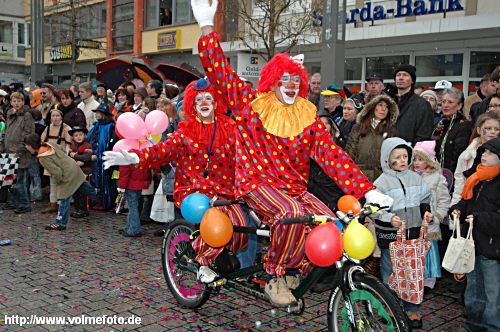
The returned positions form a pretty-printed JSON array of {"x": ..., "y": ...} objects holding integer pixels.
[
  {"x": 482, "y": 63},
  {"x": 439, "y": 65},
  {"x": 352, "y": 69},
  {"x": 160, "y": 13},
  {"x": 385, "y": 65},
  {"x": 123, "y": 26},
  {"x": 6, "y": 32}
]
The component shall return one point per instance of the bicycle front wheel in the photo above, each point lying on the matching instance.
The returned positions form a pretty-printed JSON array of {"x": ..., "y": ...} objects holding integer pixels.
[
  {"x": 375, "y": 308},
  {"x": 179, "y": 266}
]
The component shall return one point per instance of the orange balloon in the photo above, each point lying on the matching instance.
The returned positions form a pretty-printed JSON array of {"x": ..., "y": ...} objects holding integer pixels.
[
  {"x": 216, "y": 229},
  {"x": 348, "y": 203}
]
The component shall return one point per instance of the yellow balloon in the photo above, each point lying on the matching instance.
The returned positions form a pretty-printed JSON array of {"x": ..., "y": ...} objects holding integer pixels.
[
  {"x": 156, "y": 138},
  {"x": 358, "y": 241}
]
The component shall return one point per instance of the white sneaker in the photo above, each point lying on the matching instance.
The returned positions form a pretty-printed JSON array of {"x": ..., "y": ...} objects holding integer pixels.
[{"x": 206, "y": 274}]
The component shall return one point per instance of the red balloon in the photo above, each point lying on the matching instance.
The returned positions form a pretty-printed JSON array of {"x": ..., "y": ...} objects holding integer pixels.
[
  {"x": 348, "y": 203},
  {"x": 324, "y": 245}
]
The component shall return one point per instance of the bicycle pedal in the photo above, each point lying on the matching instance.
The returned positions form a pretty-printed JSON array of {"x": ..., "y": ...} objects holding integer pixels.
[{"x": 217, "y": 283}]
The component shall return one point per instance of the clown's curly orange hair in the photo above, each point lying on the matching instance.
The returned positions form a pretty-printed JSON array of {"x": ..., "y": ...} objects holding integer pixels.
[
  {"x": 274, "y": 69},
  {"x": 190, "y": 94}
]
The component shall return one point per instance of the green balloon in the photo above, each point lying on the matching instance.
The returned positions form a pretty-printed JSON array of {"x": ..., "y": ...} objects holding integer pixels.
[{"x": 2, "y": 127}]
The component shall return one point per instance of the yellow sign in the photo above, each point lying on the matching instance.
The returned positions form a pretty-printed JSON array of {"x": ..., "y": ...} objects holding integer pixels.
[{"x": 169, "y": 40}]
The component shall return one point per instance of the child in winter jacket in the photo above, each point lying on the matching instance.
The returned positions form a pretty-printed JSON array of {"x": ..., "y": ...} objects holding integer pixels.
[
  {"x": 81, "y": 152},
  {"x": 133, "y": 180},
  {"x": 480, "y": 205},
  {"x": 426, "y": 165},
  {"x": 412, "y": 198},
  {"x": 66, "y": 174}
]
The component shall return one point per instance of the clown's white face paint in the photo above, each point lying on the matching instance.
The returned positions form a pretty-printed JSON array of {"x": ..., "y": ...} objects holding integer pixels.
[
  {"x": 205, "y": 105},
  {"x": 288, "y": 88}
]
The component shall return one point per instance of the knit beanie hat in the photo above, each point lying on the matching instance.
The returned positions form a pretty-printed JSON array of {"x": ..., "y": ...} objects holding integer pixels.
[
  {"x": 179, "y": 106},
  {"x": 426, "y": 150},
  {"x": 493, "y": 145},
  {"x": 411, "y": 70}
]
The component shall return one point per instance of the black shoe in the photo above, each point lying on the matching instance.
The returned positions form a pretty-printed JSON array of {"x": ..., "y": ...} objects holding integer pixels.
[
  {"x": 8, "y": 206},
  {"x": 325, "y": 282},
  {"x": 22, "y": 210},
  {"x": 160, "y": 232},
  {"x": 79, "y": 214},
  {"x": 415, "y": 320},
  {"x": 123, "y": 233}
]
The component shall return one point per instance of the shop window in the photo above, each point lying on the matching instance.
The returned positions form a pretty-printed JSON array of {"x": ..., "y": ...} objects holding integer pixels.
[
  {"x": 6, "y": 32},
  {"x": 439, "y": 65},
  {"x": 385, "y": 65},
  {"x": 352, "y": 69},
  {"x": 482, "y": 63},
  {"x": 160, "y": 13}
]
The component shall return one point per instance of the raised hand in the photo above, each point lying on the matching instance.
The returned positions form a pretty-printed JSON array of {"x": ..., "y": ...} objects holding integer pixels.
[
  {"x": 204, "y": 12},
  {"x": 122, "y": 158}
]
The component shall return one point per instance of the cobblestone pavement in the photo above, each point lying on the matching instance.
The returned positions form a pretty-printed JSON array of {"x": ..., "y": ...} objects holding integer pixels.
[{"x": 91, "y": 270}]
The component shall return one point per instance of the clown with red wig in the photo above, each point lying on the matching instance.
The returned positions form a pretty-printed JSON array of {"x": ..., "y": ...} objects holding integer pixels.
[
  {"x": 277, "y": 134},
  {"x": 204, "y": 149}
]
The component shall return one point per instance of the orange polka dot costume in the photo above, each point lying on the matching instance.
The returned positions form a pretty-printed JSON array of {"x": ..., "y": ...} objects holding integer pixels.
[
  {"x": 274, "y": 143},
  {"x": 205, "y": 157}
]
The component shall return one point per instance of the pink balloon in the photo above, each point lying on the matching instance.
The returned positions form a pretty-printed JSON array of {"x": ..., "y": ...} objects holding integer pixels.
[
  {"x": 126, "y": 144},
  {"x": 146, "y": 144},
  {"x": 156, "y": 122},
  {"x": 131, "y": 125}
]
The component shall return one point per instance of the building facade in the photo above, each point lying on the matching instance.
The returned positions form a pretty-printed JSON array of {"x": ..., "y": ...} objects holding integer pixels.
[{"x": 14, "y": 38}]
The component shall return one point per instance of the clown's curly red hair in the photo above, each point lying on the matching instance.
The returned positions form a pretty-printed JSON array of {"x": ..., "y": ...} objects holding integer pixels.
[
  {"x": 274, "y": 69},
  {"x": 190, "y": 94}
]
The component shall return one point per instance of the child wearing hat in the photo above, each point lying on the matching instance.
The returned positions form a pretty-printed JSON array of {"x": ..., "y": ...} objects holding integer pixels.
[
  {"x": 425, "y": 164},
  {"x": 81, "y": 152},
  {"x": 480, "y": 205},
  {"x": 57, "y": 132}
]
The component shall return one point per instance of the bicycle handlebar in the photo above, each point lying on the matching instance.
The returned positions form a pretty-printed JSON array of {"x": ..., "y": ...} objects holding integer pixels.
[
  {"x": 297, "y": 220},
  {"x": 223, "y": 202}
]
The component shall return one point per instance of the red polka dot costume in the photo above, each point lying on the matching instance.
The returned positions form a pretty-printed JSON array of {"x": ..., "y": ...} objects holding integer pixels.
[
  {"x": 274, "y": 143},
  {"x": 205, "y": 158}
]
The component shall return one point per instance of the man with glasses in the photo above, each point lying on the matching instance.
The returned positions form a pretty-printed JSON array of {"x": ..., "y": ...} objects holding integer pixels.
[
  {"x": 494, "y": 105},
  {"x": 50, "y": 99},
  {"x": 479, "y": 108}
]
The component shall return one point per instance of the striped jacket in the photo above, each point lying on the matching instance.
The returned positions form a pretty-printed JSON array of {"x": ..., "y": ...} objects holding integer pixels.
[{"x": 410, "y": 193}]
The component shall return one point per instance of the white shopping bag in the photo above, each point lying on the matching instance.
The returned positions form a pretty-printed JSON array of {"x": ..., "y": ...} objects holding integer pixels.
[{"x": 162, "y": 210}]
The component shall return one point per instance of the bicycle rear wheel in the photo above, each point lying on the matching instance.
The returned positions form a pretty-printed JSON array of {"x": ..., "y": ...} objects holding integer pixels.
[
  {"x": 375, "y": 307},
  {"x": 179, "y": 266}
]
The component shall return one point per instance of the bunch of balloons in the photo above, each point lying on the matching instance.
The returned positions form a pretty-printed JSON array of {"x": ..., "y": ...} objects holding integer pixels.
[{"x": 137, "y": 133}]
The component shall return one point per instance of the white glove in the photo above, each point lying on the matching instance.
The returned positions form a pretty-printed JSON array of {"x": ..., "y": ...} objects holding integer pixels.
[
  {"x": 203, "y": 12},
  {"x": 123, "y": 157},
  {"x": 376, "y": 197}
]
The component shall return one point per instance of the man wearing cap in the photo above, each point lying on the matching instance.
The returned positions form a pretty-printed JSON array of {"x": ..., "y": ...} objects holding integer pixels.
[
  {"x": 374, "y": 87},
  {"x": 416, "y": 117},
  {"x": 332, "y": 98},
  {"x": 439, "y": 88},
  {"x": 314, "y": 89}
]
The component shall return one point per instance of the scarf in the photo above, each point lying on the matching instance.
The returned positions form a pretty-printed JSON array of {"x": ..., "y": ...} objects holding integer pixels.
[
  {"x": 482, "y": 173},
  {"x": 284, "y": 120},
  {"x": 119, "y": 105},
  {"x": 374, "y": 123}
]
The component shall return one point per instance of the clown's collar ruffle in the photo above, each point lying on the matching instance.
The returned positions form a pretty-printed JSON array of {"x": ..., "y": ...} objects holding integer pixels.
[{"x": 284, "y": 120}]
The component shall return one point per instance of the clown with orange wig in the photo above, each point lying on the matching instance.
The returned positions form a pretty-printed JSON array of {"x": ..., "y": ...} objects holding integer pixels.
[
  {"x": 204, "y": 149},
  {"x": 277, "y": 134}
]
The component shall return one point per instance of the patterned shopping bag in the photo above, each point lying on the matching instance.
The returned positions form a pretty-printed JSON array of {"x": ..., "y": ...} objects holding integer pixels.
[
  {"x": 408, "y": 265},
  {"x": 8, "y": 168}
]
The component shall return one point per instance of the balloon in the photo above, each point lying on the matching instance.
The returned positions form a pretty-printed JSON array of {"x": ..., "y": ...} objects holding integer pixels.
[
  {"x": 156, "y": 138},
  {"x": 349, "y": 203},
  {"x": 126, "y": 144},
  {"x": 131, "y": 125},
  {"x": 358, "y": 241},
  {"x": 216, "y": 229},
  {"x": 120, "y": 136},
  {"x": 2, "y": 127},
  {"x": 324, "y": 245},
  {"x": 194, "y": 206},
  {"x": 156, "y": 122}
]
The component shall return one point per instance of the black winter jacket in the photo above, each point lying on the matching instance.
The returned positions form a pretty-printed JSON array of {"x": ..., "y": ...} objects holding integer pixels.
[
  {"x": 416, "y": 118},
  {"x": 485, "y": 207}
]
